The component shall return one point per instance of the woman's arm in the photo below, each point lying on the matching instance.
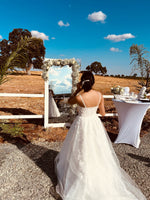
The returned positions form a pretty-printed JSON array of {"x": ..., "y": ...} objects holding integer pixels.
[
  {"x": 74, "y": 99},
  {"x": 101, "y": 106}
]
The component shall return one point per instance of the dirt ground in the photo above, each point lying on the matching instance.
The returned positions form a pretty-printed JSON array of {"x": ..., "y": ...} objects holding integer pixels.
[{"x": 33, "y": 128}]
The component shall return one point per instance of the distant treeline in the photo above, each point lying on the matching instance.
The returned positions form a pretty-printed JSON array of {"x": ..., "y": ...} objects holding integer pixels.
[
  {"x": 134, "y": 76},
  {"x": 125, "y": 76}
]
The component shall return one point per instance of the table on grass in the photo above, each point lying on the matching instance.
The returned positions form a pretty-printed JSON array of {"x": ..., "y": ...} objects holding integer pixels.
[{"x": 130, "y": 116}]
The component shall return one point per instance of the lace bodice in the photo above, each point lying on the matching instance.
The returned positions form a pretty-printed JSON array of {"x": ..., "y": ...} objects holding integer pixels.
[{"x": 87, "y": 112}]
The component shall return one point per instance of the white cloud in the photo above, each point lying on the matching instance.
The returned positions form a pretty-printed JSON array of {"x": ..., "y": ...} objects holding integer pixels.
[
  {"x": 54, "y": 72},
  {"x": 61, "y": 23},
  {"x": 97, "y": 16},
  {"x": 118, "y": 38},
  {"x": 67, "y": 83},
  {"x": 68, "y": 77},
  {"x": 115, "y": 49},
  {"x": 60, "y": 79},
  {"x": 62, "y": 84},
  {"x": 39, "y": 35},
  {"x": 46, "y": 59},
  {"x": 1, "y": 37},
  {"x": 53, "y": 38},
  {"x": 56, "y": 81}
]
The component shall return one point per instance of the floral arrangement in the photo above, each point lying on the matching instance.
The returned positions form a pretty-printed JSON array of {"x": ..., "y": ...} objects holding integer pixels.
[
  {"x": 59, "y": 62},
  {"x": 62, "y": 62},
  {"x": 117, "y": 90}
]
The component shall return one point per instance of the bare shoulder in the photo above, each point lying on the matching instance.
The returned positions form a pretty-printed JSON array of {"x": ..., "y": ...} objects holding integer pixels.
[
  {"x": 99, "y": 96},
  {"x": 78, "y": 97},
  {"x": 79, "y": 100},
  {"x": 97, "y": 92}
]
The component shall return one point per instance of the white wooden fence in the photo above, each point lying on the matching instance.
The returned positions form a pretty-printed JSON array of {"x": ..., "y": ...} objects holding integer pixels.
[
  {"x": 20, "y": 116},
  {"x": 45, "y": 116},
  {"x": 109, "y": 114}
]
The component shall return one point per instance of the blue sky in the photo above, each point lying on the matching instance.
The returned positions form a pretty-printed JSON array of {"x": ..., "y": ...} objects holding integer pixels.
[
  {"x": 60, "y": 79},
  {"x": 92, "y": 30}
]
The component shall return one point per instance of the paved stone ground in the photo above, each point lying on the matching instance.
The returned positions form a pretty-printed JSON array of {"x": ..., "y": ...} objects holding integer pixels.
[{"x": 27, "y": 173}]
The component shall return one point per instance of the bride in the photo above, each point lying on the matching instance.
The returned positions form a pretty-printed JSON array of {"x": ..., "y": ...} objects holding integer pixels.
[
  {"x": 53, "y": 109},
  {"x": 87, "y": 167}
]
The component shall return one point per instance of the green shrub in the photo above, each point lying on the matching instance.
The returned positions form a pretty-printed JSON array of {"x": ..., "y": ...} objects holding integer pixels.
[{"x": 14, "y": 130}]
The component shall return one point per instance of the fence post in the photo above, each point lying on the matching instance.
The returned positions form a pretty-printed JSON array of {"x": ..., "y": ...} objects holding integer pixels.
[{"x": 46, "y": 104}]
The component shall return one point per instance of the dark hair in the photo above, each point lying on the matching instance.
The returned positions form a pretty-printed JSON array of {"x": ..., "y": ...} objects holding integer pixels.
[{"x": 87, "y": 81}]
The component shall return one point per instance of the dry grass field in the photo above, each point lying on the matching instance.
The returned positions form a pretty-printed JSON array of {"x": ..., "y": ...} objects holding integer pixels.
[{"x": 34, "y": 84}]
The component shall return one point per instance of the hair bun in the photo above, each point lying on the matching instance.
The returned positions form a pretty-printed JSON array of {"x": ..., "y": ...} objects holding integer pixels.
[{"x": 87, "y": 80}]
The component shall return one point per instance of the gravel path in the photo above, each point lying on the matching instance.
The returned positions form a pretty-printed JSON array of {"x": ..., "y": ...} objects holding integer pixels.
[{"x": 27, "y": 173}]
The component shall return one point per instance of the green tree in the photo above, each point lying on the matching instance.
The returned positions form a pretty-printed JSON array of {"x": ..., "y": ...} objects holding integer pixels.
[
  {"x": 3, "y": 74},
  {"x": 35, "y": 50},
  {"x": 97, "y": 68},
  {"x": 135, "y": 75},
  {"x": 147, "y": 72},
  {"x": 138, "y": 53},
  {"x": 17, "y": 57}
]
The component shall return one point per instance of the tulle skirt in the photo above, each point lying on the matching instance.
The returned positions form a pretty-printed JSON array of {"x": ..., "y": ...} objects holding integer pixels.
[
  {"x": 53, "y": 109},
  {"x": 87, "y": 167}
]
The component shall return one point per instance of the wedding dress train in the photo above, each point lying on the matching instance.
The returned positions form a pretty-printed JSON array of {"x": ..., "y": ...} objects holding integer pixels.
[
  {"x": 87, "y": 167},
  {"x": 53, "y": 109}
]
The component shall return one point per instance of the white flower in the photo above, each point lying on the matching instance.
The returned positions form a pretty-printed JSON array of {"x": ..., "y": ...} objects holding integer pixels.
[
  {"x": 74, "y": 68},
  {"x": 74, "y": 74},
  {"x": 72, "y": 61},
  {"x": 47, "y": 68},
  {"x": 117, "y": 89}
]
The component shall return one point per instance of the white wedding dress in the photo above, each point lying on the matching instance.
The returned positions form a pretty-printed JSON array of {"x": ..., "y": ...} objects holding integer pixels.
[
  {"x": 87, "y": 167},
  {"x": 53, "y": 109}
]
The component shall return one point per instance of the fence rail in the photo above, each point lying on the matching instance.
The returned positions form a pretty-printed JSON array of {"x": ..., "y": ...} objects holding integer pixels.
[
  {"x": 39, "y": 116},
  {"x": 109, "y": 114},
  {"x": 20, "y": 95},
  {"x": 21, "y": 116}
]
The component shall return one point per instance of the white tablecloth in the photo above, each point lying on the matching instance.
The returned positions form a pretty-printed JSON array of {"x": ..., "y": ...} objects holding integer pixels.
[{"x": 130, "y": 115}]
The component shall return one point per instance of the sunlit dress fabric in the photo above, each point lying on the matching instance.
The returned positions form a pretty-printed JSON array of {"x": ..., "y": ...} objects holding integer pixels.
[
  {"x": 87, "y": 167},
  {"x": 53, "y": 109}
]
